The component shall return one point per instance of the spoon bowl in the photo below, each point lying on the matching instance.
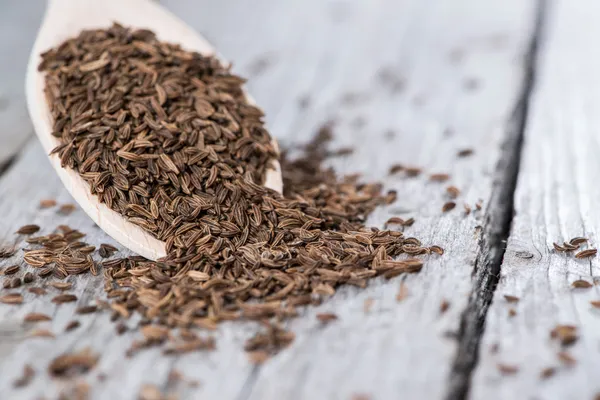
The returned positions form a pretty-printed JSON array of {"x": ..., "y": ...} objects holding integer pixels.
[{"x": 67, "y": 18}]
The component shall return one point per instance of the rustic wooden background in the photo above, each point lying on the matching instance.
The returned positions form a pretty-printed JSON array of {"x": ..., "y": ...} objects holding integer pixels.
[{"x": 407, "y": 81}]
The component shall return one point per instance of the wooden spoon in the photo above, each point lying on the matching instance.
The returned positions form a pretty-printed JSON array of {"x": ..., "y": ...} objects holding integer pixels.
[{"x": 67, "y": 18}]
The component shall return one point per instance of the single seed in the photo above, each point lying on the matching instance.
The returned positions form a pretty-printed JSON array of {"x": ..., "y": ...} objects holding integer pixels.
[
  {"x": 38, "y": 291},
  {"x": 87, "y": 309},
  {"x": 566, "y": 358},
  {"x": 511, "y": 299},
  {"x": 47, "y": 203},
  {"x": 64, "y": 298},
  {"x": 325, "y": 318},
  {"x": 444, "y": 306},
  {"x": 41, "y": 333},
  {"x": 577, "y": 241},
  {"x": 36, "y": 317},
  {"x": 448, "y": 206},
  {"x": 586, "y": 253},
  {"x": 465, "y": 152},
  {"x": 13, "y": 269},
  {"x": 66, "y": 209},
  {"x": 453, "y": 192},
  {"x": 581, "y": 284},
  {"x": 412, "y": 171},
  {"x": 78, "y": 361},
  {"x": 439, "y": 177},
  {"x": 394, "y": 169},
  {"x": 72, "y": 326},
  {"x": 28, "y": 277},
  {"x": 512, "y": 312},
  {"x": 547, "y": 372},
  {"x": 28, "y": 229},
  {"x": 12, "y": 298},
  {"x": 566, "y": 334},
  {"x": 506, "y": 369},
  {"x": 62, "y": 286},
  {"x": 26, "y": 376}
]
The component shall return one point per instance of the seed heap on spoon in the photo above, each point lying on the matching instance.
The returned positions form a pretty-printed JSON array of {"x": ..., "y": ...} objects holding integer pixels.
[{"x": 166, "y": 138}]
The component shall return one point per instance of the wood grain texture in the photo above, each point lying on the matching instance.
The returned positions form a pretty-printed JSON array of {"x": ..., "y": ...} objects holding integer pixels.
[
  {"x": 556, "y": 199},
  {"x": 18, "y": 27},
  {"x": 407, "y": 82}
]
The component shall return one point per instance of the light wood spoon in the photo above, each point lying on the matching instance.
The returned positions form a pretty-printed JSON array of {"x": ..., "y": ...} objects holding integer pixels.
[{"x": 67, "y": 18}]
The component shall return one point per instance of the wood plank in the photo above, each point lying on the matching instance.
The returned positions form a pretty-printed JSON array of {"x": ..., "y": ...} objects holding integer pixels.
[
  {"x": 556, "y": 199},
  {"x": 410, "y": 82},
  {"x": 18, "y": 27}
]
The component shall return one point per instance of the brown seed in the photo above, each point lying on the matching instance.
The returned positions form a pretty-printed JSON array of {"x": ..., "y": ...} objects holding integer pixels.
[
  {"x": 512, "y": 312},
  {"x": 444, "y": 306},
  {"x": 64, "y": 298},
  {"x": 453, "y": 192},
  {"x": 465, "y": 152},
  {"x": 28, "y": 277},
  {"x": 47, "y": 203},
  {"x": 581, "y": 284},
  {"x": 13, "y": 269},
  {"x": 394, "y": 169},
  {"x": 62, "y": 286},
  {"x": 87, "y": 309},
  {"x": 12, "y": 298},
  {"x": 78, "y": 361},
  {"x": 467, "y": 209},
  {"x": 566, "y": 358},
  {"x": 586, "y": 253},
  {"x": 566, "y": 334},
  {"x": 28, "y": 229},
  {"x": 439, "y": 177},
  {"x": 412, "y": 171},
  {"x": 26, "y": 376},
  {"x": 325, "y": 318},
  {"x": 577, "y": 241},
  {"x": 448, "y": 206},
  {"x": 36, "y": 317},
  {"x": 121, "y": 328},
  {"x": 41, "y": 333},
  {"x": 506, "y": 369},
  {"x": 511, "y": 299},
  {"x": 558, "y": 247},
  {"x": 595, "y": 303},
  {"x": 72, "y": 325},
  {"x": 66, "y": 209},
  {"x": 37, "y": 291},
  {"x": 547, "y": 372},
  {"x": 361, "y": 396},
  {"x": 436, "y": 250}
]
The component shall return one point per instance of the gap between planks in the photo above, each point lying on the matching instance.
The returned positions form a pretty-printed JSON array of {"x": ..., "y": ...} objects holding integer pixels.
[{"x": 497, "y": 224}]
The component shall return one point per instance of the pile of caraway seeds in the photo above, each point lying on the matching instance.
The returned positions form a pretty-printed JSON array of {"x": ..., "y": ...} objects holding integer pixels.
[{"x": 167, "y": 138}]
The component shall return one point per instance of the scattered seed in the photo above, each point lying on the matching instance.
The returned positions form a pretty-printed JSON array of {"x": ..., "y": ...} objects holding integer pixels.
[
  {"x": 581, "y": 284},
  {"x": 325, "y": 318},
  {"x": 586, "y": 253},
  {"x": 437, "y": 250},
  {"x": 465, "y": 153},
  {"x": 64, "y": 298},
  {"x": 28, "y": 277},
  {"x": 66, "y": 209},
  {"x": 506, "y": 369},
  {"x": 448, "y": 206},
  {"x": 47, "y": 203},
  {"x": 26, "y": 376},
  {"x": 524, "y": 254},
  {"x": 78, "y": 361},
  {"x": 13, "y": 269},
  {"x": 547, "y": 372},
  {"x": 412, "y": 171},
  {"x": 394, "y": 169},
  {"x": 86, "y": 309},
  {"x": 444, "y": 306},
  {"x": 453, "y": 192},
  {"x": 42, "y": 333},
  {"x": 577, "y": 241},
  {"x": 12, "y": 298},
  {"x": 566, "y": 334},
  {"x": 62, "y": 286},
  {"x": 511, "y": 299},
  {"x": 28, "y": 229},
  {"x": 512, "y": 312},
  {"x": 37, "y": 291},
  {"x": 439, "y": 177},
  {"x": 36, "y": 317},
  {"x": 72, "y": 325},
  {"x": 566, "y": 358}
]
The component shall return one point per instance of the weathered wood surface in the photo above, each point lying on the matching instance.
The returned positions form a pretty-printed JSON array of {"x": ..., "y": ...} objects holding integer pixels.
[
  {"x": 18, "y": 27},
  {"x": 407, "y": 81},
  {"x": 556, "y": 199}
]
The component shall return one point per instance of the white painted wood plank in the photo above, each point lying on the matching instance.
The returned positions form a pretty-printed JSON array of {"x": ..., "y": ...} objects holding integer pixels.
[
  {"x": 323, "y": 51},
  {"x": 556, "y": 199},
  {"x": 18, "y": 25}
]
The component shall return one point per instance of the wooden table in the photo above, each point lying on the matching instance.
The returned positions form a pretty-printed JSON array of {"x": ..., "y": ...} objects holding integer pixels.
[{"x": 407, "y": 81}]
